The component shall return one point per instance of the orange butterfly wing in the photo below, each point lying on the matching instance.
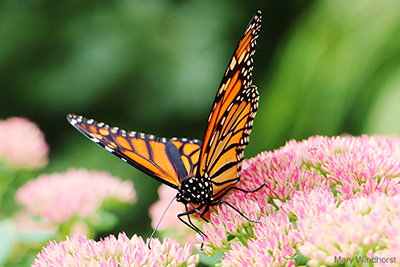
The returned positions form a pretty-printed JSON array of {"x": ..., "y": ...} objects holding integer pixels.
[
  {"x": 231, "y": 118},
  {"x": 167, "y": 160}
]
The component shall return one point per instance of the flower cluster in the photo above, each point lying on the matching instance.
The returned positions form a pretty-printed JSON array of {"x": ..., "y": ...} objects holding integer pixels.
[
  {"x": 77, "y": 250},
  {"x": 59, "y": 197},
  {"x": 354, "y": 230},
  {"x": 350, "y": 166},
  {"x": 22, "y": 144},
  {"x": 322, "y": 198},
  {"x": 274, "y": 241}
]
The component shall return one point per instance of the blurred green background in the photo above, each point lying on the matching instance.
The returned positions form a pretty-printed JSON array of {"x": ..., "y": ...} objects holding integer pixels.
[{"x": 322, "y": 67}]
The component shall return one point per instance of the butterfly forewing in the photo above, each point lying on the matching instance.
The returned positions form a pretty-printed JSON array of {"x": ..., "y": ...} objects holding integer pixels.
[
  {"x": 231, "y": 118},
  {"x": 167, "y": 160}
]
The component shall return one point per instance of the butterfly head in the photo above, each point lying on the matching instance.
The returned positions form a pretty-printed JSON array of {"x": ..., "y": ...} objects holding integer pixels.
[{"x": 195, "y": 190}]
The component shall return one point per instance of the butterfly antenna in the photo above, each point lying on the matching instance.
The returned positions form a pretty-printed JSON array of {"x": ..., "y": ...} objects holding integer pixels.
[{"x": 159, "y": 221}]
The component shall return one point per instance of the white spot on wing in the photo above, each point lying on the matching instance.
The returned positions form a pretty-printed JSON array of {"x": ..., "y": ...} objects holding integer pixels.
[{"x": 109, "y": 149}]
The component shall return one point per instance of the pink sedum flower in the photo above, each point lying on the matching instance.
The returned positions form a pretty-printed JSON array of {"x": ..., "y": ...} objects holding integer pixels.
[
  {"x": 350, "y": 166},
  {"x": 22, "y": 144},
  {"x": 226, "y": 222},
  {"x": 306, "y": 209},
  {"x": 60, "y": 196},
  {"x": 323, "y": 197},
  {"x": 275, "y": 244},
  {"x": 356, "y": 227},
  {"x": 77, "y": 250}
]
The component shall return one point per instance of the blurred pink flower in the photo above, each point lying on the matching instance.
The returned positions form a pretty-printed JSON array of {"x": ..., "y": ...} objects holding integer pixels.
[
  {"x": 166, "y": 194},
  {"x": 26, "y": 224},
  {"x": 307, "y": 183},
  {"x": 179, "y": 230},
  {"x": 60, "y": 196},
  {"x": 77, "y": 250},
  {"x": 22, "y": 144}
]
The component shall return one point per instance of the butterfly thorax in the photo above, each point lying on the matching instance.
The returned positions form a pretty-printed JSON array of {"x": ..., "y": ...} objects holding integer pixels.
[{"x": 195, "y": 190}]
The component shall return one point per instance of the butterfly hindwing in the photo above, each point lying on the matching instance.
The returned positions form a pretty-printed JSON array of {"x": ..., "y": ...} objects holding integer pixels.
[
  {"x": 231, "y": 118},
  {"x": 167, "y": 160}
]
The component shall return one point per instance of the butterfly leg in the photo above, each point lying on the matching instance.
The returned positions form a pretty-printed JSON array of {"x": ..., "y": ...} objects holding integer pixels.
[
  {"x": 201, "y": 213},
  {"x": 189, "y": 223},
  {"x": 195, "y": 209},
  {"x": 237, "y": 188},
  {"x": 235, "y": 209},
  {"x": 248, "y": 191},
  {"x": 206, "y": 209}
]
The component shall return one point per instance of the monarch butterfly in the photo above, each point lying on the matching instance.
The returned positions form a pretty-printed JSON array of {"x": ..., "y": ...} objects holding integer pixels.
[{"x": 201, "y": 172}]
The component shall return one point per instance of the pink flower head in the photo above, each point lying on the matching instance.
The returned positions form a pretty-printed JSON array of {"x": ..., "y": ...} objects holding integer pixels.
[
  {"x": 356, "y": 227},
  {"x": 60, "y": 196},
  {"x": 323, "y": 195},
  {"x": 256, "y": 253},
  {"x": 77, "y": 250},
  {"x": 22, "y": 144},
  {"x": 306, "y": 209},
  {"x": 349, "y": 166},
  {"x": 275, "y": 244},
  {"x": 226, "y": 223}
]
